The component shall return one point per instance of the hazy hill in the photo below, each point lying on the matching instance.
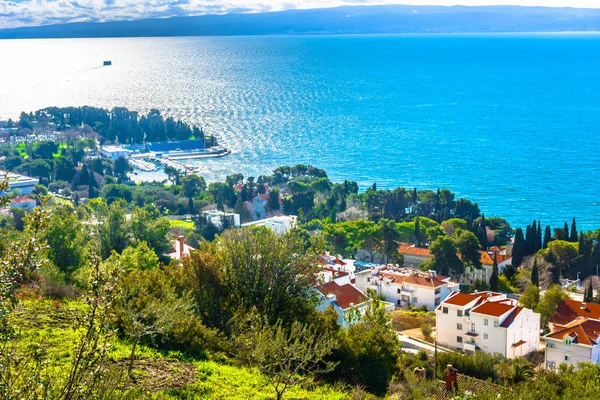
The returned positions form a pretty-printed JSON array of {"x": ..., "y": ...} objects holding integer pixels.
[{"x": 343, "y": 20}]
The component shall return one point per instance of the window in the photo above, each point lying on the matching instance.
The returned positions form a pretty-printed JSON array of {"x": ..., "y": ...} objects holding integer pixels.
[
  {"x": 485, "y": 336},
  {"x": 415, "y": 300},
  {"x": 472, "y": 327},
  {"x": 445, "y": 310},
  {"x": 567, "y": 357},
  {"x": 459, "y": 313},
  {"x": 550, "y": 345},
  {"x": 495, "y": 324},
  {"x": 437, "y": 291},
  {"x": 485, "y": 322},
  {"x": 568, "y": 342},
  {"x": 368, "y": 280},
  {"x": 459, "y": 339},
  {"x": 398, "y": 290},
  {"x": 459, "y": 327},
  {"x": 399, "y": 302}
]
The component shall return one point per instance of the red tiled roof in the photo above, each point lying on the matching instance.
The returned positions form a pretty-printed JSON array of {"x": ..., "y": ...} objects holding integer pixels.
[
  {"x": 345, "y": 295},
  {"x": 22, "y": 199},
  {"x": 336, "y": 273},
  {"x": 568, "y": 310},
  {"x": 419, "y": 279},
  {"x": 584, "y": 331},
  {"x": 493, "y": 308},
  {"x": 485, "y": 258},
  {"x": 511, "y": 317},
  {"x": 339, "y": 262},
  {"x": 264, "y": 196},
  {"x": 411, "y": 249},
  {"x": 462, "y": 299}
]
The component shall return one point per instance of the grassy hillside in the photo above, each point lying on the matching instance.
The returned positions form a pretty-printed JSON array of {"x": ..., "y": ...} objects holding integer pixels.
[{"x": 159, "y": 375}]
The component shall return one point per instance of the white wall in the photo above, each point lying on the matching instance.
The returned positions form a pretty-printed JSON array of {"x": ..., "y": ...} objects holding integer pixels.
[{"x": 577, "y": 353}]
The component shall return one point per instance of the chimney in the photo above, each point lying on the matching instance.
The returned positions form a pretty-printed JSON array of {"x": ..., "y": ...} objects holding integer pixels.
[
  {"x": 433, "y": 273},
  {"x": 181, "y": 246},
  {"x": 489, "y": 295}
]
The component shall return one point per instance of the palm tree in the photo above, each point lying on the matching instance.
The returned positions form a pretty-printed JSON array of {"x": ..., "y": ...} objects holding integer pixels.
[{"x": 521, "y": 372}]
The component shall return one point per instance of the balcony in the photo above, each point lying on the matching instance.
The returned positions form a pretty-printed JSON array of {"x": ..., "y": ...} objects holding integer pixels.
[
  {"x": 469, "y": 347},
  {"x": 406, "y": 291}
]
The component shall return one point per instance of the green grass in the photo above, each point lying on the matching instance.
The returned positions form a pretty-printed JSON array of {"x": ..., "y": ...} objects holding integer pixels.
[
  {"x": 176, "y": 223},
  {"x": 52, "y": 323},
  {"x": 218, "y": 381}
]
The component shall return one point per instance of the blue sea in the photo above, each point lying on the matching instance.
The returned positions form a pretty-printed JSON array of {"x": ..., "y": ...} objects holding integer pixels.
[{"x": 509, "y": 121}]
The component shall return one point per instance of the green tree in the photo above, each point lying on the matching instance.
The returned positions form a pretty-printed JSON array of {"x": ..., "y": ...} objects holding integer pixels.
[
  {"x": 468, "y": 246},
  {"x": 573, "y": 237},
  {"x": 445, "y": 261},
  {"x": 518, "y": 251},
  {"x": 535, "y": 273},
  {"x": 494, "y": 280},
  {"x": 172, "y": 174},
  {"x": 148, "y": 225},
  {"x": 549, "y": 301},
  {"x": 547, "y": 236},
  {"x": 274, "y": 199},
  {"x": 417, "y": 233},
  {"x": 122, "y": 167},
  {"x": 588, "y": 296},
  {"x": 113, "y": 228},
  {"x": 192, "y": 185},
  {"x": 290, "y": 356},
  {"x": 531, "y": 297}
]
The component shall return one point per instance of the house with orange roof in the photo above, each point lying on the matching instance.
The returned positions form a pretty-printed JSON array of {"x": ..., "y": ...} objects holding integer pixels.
[
  {"x": 487, "y": 321},
  {"x": 349, "y": 302},
  {"x": 23, "y": 202},
  {"x": 574, "y": 334},
  {"x": 487, "y": 262},
  {"x": 405, "y": 286},
  {"x": 413, "y": 255}
]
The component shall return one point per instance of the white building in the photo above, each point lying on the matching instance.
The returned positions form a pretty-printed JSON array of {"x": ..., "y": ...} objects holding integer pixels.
[
  {"x": 404, "y": 286},
  {"x": 15, "y": 181},
  {"x": 220, "y": 219},
  {"x": 280, "y": 225},
  {"x": 574, "y": 334},
  {"x": 114, "y": 152},
  {"x": 487, "y": 321}
]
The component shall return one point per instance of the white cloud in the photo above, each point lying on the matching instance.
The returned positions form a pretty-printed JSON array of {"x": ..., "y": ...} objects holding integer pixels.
[{"x": 39, "y": 12}]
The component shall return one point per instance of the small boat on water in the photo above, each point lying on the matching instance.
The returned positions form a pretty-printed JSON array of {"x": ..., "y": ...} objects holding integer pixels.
[{"x": 107, "y": 63}]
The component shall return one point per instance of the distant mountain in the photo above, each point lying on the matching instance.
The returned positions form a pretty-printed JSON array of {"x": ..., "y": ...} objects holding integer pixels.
[{"x": 342, "y": 20}]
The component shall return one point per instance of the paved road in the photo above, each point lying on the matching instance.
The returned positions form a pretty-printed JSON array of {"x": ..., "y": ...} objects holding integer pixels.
[{"x": 412, "y": 344}]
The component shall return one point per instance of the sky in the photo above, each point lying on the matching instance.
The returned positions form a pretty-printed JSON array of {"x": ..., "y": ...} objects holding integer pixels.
[{"x": 43, "y": 12}]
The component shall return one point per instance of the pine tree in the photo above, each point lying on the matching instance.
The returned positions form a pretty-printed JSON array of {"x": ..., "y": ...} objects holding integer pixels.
[
  {"x": 573, "y": 237},
  {"x": 589, "y": 292},
  {"x": 547, "y": 236},
  {"x": 482, "y": 233},
  {"x": 535, "y": 273},
  {"x": 494, "y": 279},
  {"x": 417, "y": 232},
  {"x": 518, "y": 251},
  {"x": 538, "y": 242}
]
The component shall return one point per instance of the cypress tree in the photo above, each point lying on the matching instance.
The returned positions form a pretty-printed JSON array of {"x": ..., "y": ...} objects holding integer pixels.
[
  {"x": 538, "y": 242},
  {"x": 566, "y": 234},
  {"x": 191, "y": 206},
  {"x": 573, "y": 237},
  {"x": 588, "y": 296},
  {"x": 518, "y": 248},
  {"x": 417, "y": 232},
  {"x": 415, "y": 197},
  {"x": 535, "y": 273},
  {"x": 547, "y": 236},
  {"x": 482, "y": 233},
  {"x": 494, "y": 280},
  {"x": 530, "y": 236}
]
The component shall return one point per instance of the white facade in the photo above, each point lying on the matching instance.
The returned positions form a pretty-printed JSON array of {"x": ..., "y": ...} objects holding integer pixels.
[
  {"x": 114, "y": 152},
  {"x": 405, "y": 286},
  {"x": 280, "y": 225},
  {"x": 489, "y": 322},
  {"x": 574, "y": 334},
  {"x": 566, "y": 350},
  {"x": 219, "y": 218}
]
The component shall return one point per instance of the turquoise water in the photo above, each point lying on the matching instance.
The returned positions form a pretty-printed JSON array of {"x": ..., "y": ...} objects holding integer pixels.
[{"x": 509, "y": 121}]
